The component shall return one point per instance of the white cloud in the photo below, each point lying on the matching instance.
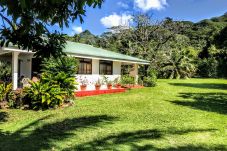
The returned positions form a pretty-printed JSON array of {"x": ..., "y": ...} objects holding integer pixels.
[
  {"x": 124, "y": 5},
  {"x": 116, "y": 20},
  {"x": 77, "y": 29},
  {"x": 146, "y": 5}
]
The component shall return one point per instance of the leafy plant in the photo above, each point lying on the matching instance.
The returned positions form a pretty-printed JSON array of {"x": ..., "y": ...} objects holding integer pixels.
[
  {"x": 44, "y": 95},
  {"x": 98, "y": 82},
  {"x": 61, "y": 71},
  {"x": 151, "y": 79},
  {"x": 83, "y": 81},
  {"x": 6, "y": 71},
  {"x": 68, "y": 65},
  {"x": 67, "y": 84},
  {"x": 16, "y": 98},
  {"x": 107, "y": 81},
  {"x": 126, "y": 79},
  {"x": 207, "y": 67},
  {"x": 5, "y": 89}
]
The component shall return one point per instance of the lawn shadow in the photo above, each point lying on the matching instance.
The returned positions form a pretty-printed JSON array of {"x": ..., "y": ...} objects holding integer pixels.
[
  {"x": 131, "y": 139},
  {"x": 202, "y": 85},
  {"x": 43, "y": 137},
  {"x": 212, "y": 102},
  {"x": 3, "y": 116},
  {"x": 189, "y": 147}
]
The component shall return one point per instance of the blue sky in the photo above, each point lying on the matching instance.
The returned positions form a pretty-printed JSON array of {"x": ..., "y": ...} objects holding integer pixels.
[
  {"x": 98, "y": 20},
  {"x": 119, "y": 12}
]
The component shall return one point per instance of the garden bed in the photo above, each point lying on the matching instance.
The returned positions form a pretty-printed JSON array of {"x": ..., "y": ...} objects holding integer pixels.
[{"x": 98, "y": 92}]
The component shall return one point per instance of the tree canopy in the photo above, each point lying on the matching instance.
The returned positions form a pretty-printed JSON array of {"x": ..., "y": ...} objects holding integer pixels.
[
  {"x": 25, "y": 23},
  {"x": 176, "y": 49}
]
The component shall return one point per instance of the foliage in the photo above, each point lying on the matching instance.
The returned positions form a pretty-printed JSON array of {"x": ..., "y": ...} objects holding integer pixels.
[
  {"x": 107, "y": 81},
  {"x": 172, "y": 47},
  {"x": 44, "y": 95},
  {"x": 126, "y": 79},
  {"x": 82, "y": 80},
  {"x": 16, "y": 99},
  {"x": 61, "y": 71},
  {"x": 98, "y": 82},
  {"x": 151, "y": 79},
  {"x": 207, "y": 67},
  {"x": 68, "y": 65},
  {"x": 6, "y": 71},
  {"x": 67, "y": 84},
  {"x": 5, "y": 89},
  {"x": 179, "y": 59},
  {"x": 25, "y": 23}
]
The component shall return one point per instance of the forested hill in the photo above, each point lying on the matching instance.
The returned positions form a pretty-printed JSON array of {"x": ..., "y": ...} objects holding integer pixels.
[{"x": 176, "y": 49}]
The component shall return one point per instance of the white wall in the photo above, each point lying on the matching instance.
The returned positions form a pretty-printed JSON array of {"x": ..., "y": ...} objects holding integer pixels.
[{"x": 92, "y": 78}]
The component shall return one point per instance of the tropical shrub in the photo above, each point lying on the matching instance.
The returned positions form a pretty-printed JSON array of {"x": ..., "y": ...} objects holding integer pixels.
[
  {"x": 16, "y": 99},
  {"x": 43, "y": 95},
  {"x": 207, "y": 67},
  {"x": 68, "y": 65},
  {"x": 151, "y": 79},
  {"x": 6, "y": 71},
  {"x": 126, "y": 79},
  {"x": 5, "y": 89},
  {"x": 61, "y": 71},
  {"x": 67, "y": 84}
]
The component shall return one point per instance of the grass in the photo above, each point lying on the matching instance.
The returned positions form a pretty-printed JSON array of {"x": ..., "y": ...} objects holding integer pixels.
[{"x": 175, "y": 115}]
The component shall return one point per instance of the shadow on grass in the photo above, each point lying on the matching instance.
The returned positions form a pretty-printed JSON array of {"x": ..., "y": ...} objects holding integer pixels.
[
  {"x": 3, "y": 116},
  {"x": 202, "y": 85},
  {"x": 180, "y": 148},
  {"x": 212, "y": 102},
  {"x": 43, "y": 137},
  {"x": 131, "y": 140}
]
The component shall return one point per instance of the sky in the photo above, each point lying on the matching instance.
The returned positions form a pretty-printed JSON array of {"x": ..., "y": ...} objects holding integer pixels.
[{"x": 119, "y": 12}]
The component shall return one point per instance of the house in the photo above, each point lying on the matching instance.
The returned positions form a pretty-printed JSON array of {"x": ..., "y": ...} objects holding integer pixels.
[{"x": 94, "y": 62}]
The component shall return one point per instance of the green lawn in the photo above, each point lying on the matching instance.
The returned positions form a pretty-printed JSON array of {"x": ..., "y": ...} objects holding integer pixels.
[{"x": 175, "y": 115}]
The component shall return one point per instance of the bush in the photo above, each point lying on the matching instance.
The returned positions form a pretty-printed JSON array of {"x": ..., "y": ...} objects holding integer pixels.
[
  {"x": 67, "y": 65},
  {"x": 56, "y": 86},
  {"x": 43, "y": 95},
  {"x": 16, "y": 99},
  {"x": 151, "y": 79},
  {"x": 126, "y": 79},
  {"x": 61, "y": 71},
  {"x": 207, "y": 68},
  {"x": 5, "y": 74},
  {"x": 5, "y": 89}
]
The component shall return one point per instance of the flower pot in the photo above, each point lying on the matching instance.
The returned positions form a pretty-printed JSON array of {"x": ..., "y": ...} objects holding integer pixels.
[
  {"x": 83, "y": 87},
  {"x": 97, "y": 87},
  {"x": 118, "y": 86},
  {"x": 109, "y": 86}
]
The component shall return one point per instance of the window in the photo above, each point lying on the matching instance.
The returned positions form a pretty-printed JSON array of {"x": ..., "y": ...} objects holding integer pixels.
[
  {"x": 105, "y": 67},
  {"x": 85, "y": 66}
]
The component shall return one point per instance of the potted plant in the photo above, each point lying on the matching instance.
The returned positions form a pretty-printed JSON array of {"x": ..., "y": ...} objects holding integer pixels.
[
  {"x": 108, "y": 82},
  {"x": 98, "y": 85},
  {"x": 83, "y": 85},
  {"x": 117, "y": 83}
]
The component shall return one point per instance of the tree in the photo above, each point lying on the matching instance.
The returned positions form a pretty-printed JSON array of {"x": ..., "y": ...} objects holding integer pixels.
[
  {"x": 25, "y": 23},
  {"x": 178, "y": 61}
]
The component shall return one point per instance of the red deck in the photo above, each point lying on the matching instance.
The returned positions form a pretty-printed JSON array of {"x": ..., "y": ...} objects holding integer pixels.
[{"x": 98, "y": 92}]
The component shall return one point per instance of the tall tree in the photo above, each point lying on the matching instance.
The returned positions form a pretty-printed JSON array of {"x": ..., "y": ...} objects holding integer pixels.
[{"x": 26, "y": 22}]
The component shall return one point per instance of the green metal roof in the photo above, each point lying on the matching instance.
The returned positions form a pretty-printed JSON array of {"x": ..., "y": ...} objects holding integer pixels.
[{"x": 85, "y": 50}]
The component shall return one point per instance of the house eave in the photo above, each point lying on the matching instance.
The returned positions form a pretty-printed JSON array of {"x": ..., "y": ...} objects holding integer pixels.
[{"x": 109, "y": 59}]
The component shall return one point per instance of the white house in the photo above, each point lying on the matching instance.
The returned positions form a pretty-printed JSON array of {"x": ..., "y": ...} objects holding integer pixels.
[{"x": 94, "y": 62}]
